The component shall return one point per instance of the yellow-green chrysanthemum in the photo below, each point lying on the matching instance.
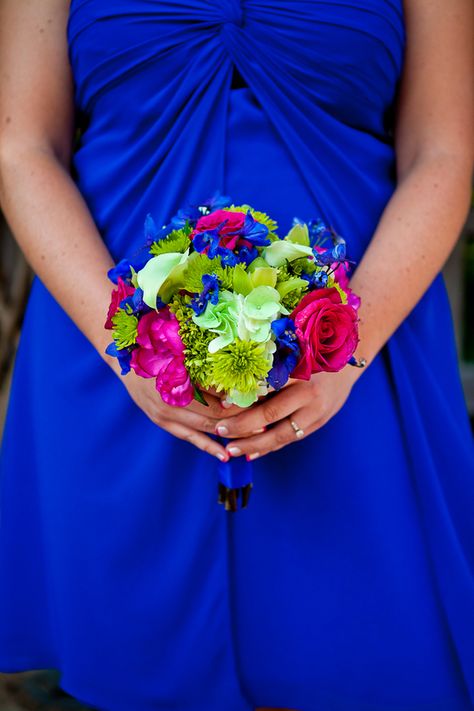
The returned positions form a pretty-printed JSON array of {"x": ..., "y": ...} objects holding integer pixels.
[
  {"x": 175, "y": 241},
  {"x": 200, "y": 264},
  {"x": 240, "y": 366},
  {"x": 125, "y": 328}
]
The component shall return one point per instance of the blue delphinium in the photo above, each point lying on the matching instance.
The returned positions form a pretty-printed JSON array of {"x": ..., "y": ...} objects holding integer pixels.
[
  {"x": 287, "y": 352},
  {"x": 209, "y": 238},
  {"x": 210, "y": 293},
  {"x": 123, "y": 355},
  {"x": 124, "y": 267},
  {"x": 316, "y": 280},
  {"x": 134, "y": 303},
  {"x": 254, "y": 232},
  {"x": 193, "y": 211}
]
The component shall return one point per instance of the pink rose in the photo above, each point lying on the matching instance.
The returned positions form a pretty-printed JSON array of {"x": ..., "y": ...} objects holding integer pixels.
[
  {"x": 235, "y": 222},
  {"x": 120, "y": 292},
  {"x": 161, "y": 355},
  {"x": 327, "y": 332}
]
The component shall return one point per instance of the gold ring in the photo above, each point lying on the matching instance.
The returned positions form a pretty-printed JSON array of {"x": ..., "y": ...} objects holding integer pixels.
[{"x": 297, "y": 429}]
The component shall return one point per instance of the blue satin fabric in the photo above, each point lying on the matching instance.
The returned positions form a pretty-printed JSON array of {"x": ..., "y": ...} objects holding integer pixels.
[{"x": 348, "y": 583}]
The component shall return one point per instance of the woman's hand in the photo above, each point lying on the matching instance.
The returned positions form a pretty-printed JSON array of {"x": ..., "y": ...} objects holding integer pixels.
[
  {"x": 190, "y": 423},
  {"x": 309, "y": 403}
]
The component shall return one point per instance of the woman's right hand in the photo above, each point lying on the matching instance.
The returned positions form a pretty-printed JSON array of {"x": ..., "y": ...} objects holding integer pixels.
[{"x": 190, "y": 423}]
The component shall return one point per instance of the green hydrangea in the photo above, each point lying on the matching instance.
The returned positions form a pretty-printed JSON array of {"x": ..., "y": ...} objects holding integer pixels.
[
  {"x": 200, "y": 264},
  {"x": 125, "y": 329},
  {"x": 240, "y": 366},
  {"x": 176, "y": 241}
]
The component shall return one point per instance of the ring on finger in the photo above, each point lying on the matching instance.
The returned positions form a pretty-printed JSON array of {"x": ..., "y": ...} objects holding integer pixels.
[{"x": 297, "y": 429}]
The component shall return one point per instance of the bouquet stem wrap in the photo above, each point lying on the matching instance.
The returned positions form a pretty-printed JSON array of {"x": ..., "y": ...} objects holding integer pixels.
[{"x": 235, "y": 481}]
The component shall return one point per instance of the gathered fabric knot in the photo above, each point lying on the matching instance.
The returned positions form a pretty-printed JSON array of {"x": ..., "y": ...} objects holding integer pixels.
[{"x": 233, "y": 13}]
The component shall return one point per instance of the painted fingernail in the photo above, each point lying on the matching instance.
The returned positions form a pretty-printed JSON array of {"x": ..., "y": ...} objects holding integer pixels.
[
  {"x": 222, "y": 457},
  {"x": 234, "y": 451},
  {"x": 222, "y": 430},
  {"x": 249, "y": 457}
]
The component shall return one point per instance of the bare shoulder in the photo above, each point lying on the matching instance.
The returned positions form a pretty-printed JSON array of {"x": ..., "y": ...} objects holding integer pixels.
[
  {"x": 35, "y": 76},
  {"x": 436, "y": 98}
]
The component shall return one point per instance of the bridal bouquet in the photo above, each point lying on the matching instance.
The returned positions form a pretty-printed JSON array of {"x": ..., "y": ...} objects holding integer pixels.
[{"x": 217, "y": 301}]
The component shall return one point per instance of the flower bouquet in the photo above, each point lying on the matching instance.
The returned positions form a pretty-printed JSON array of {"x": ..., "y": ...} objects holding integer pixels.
[{"x": 216, "y": 301}]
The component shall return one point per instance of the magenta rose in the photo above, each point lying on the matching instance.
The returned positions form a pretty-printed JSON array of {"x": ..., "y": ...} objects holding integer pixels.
[
  {"x": 235, "y": 222},
  {"x": 118, "y": 294},
  {"x": 161, "y": 355},
  {"x": 327, "y": 332}
]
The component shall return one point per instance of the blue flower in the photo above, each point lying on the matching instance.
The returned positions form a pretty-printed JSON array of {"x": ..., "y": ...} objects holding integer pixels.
[
  {"x": 123, "y": 355},
  {"x": 285, "y": 331},
  {"x": 241, "y": 255},
  {"x": 287, "y": 353},
  {"x": 210, "y": 293},
  {"x": 193, "y": 211},
  {"x": 209, "y": 238},
  {"x": 254, "y": 232},
  {"x": 123, "y": 268},
  {"x": 246, "y": 255},
  {"x": 283, "y": 364},
  {"x": 135, "y": 302},
  {"x": 316, "y": 280},
  {"x": 318, "y": 231}
]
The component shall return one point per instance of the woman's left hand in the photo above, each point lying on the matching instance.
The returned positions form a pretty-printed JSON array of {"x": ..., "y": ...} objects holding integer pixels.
[{"x": 310, "y": 404}]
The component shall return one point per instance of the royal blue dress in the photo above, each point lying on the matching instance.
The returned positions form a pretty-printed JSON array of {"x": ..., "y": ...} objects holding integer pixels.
[{"x": 348, "y": 582}]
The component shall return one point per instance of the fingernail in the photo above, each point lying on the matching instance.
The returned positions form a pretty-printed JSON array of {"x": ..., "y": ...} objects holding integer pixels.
[
  {"x": 234, "y": 451},
  {"x": 262, "y": 429},
  {"x": 249, "y": 457},
  {"x": 222, "y": 430},
  {"x": 222, "y": 457},
  {"x": 225, "y": 404}
]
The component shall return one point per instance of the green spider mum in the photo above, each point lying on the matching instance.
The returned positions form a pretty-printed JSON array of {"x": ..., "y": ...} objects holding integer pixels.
[
  {"x": 240, "y": 366},
  {"x": 176, "y": 241},
  {"x": 125, "y": 328},
  {"x": 200, "y": 264}
]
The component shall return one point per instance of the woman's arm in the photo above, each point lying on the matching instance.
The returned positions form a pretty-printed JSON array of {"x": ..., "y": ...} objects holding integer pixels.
[
  {"x": 434, "y": 142},
  {"x": 420, "y": 224},
  {"x": 43, "y": 206},
  {"x": 46, "y": 212}
]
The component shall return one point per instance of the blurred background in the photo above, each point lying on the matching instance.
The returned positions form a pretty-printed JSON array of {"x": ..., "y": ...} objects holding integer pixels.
[{"x": 39, "y": 690}]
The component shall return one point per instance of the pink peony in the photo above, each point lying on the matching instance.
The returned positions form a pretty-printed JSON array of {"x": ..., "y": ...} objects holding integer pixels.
[
  {"x": 120, "y": 292},
  {"x": 235, "y": 221},
  {"x": 327, "y": 332},
  {"x": 161, "y": 355}
]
